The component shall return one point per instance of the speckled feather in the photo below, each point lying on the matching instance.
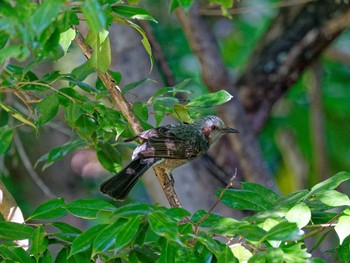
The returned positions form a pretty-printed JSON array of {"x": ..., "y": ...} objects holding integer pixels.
[{"x": 180, "y": 143}]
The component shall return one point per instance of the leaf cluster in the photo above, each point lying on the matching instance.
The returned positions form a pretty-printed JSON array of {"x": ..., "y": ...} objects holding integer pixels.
[{"x": 136, "y": 232}]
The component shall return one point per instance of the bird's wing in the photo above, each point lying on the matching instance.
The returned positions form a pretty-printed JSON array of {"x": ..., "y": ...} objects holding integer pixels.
[{"x": 163, "y": 143}]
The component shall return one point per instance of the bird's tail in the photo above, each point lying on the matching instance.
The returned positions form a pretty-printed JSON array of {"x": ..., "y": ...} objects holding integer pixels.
[{"x": 119, "y": 186}]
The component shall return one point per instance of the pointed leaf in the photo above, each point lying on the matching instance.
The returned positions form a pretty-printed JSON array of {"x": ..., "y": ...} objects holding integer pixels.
[
  {"x": 127, "y": 232},
  {"x": 6, "y": 135},
  {"x": 299, "y": 214},
  {"x": 88, "y": 209},
  {"x": 85, "y": 240},
  {"x": 334, "y": 198},
  {"x": 210, "y": 100},
  {"x": 342, "y": 228},
  {"x": 265, "y": 193},
  {"x": 329, "y": 184},
  {"x": 133, "y": 12},
  {"x": 164, "y": 226},
  {"x": 244, "y": 200},
  {"x": 52, "y": 209},
  {"x": 283, "y": 231},
  {"x": 15, "y": 231},
  {"x": 94, "y": 15},
  {"x": 47, "y": 109},
  {"x": 38, "y": 242}
]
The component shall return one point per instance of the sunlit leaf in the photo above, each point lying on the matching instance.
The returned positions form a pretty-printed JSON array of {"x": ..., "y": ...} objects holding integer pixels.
[
  {"x": 329, "y": 184},
  {"x": 17, "y": 115},
  {"x": 299, "y": 214},
  {"x": 133, "y": 12},
  {"x": 94, "y": 15},
  {"x": 342, "y": 228},
  {"x": 45, "y": 14},
  {"x": 210, "y": 100},
  {"x": 334, "y": 198}
]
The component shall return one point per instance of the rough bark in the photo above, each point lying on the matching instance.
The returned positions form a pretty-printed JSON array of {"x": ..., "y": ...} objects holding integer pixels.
[{"x": 295, "y": 39}]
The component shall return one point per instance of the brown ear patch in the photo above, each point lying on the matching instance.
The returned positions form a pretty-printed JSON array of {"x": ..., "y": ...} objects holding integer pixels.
[{"x": 206, "y": 131}]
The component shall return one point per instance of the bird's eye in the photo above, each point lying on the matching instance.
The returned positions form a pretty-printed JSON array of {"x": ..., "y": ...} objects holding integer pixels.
[{"x": 213, "y": 127}]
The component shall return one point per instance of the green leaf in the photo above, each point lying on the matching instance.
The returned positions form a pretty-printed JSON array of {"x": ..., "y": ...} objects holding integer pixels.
[
  {"x": 47, "y": 109},
  {"x": 85, "y": 240},
  {"x": 168, "y": 251},
  {"x": 131, "y": 210},
  {"x": 292, "y": 199},
  {"x": 133, "y": 12},
  {"x": 342, "y": 228},
  {"x": 59, "y": 152},
  {"x": 226, "y": 255},
  {"x": 45, "y": 14},
  {"x": 267, "y": 194},
  {"x": 17, "y": 115},
  {"x": 271, "y": 255},
  {"x": 181, "y": 113},
  {"x": 101, "y": 56},
  {"x": 187, "y": 254},
  {"x": 82, "y": 72},
  {"x": 283, "y": 231},
  {"x": 109, "y": 157},
  {"x": 162, "y": 105},
  {"x": 344, "y": 250},
  {"x": 89, "y": 208},
  {"x": 94, "y": 15},
  {"x": 185, "y": 4},
  {"x": 52, "y": 209},
  {"x": 333, "y": 198},
  {"x": 15, "y": 231},
  {"x": 329, "y": 184},
  {"x": 244, "y": 200},
  {"x": 15, "y": 254},
  {"x": 106, "y": 238},
  {"x": 177, "y": 213},
  {"x": 66, "y": 39},
  {"x": 250, "y": 232},
  {"x": 127, "y": 232},
  {"x": 38, "y": 242},
  {"x": 134, "y": 85},
  {"x": 164, "y": 226},
  {"x": 299, "y": 214},
  {"x": 6, "y": 135},
  {"x": 68, "y": 232},
  {"x": 240, "y": 252},
  {"x": 86, "y": 127},
  {"x": 144, "y": 40},
  {"x": 210, "y": 100}
]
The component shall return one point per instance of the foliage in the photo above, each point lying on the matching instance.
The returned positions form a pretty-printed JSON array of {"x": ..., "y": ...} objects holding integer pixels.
[
  {"x": 276, "y": 231},
  {"x": 28, "y": 99}
]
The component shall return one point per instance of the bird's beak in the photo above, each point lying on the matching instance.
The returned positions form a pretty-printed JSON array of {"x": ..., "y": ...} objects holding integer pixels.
[{"x": 230, "y": 130}]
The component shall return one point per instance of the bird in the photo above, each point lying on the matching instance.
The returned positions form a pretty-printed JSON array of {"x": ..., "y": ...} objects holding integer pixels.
[{"x": 168, "y": 147}]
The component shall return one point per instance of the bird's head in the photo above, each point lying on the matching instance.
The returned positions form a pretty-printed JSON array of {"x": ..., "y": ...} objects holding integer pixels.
[{"x": 213, "y": 128}]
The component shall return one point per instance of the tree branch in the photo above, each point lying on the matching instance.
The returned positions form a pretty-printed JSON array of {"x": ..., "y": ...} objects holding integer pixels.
[
  {"x": 294, "y": 40},
  {"x": 126, "y": 110}
]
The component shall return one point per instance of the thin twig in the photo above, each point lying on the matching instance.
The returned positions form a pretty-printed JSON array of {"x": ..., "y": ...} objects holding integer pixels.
[
  {"x": 230, "y": 183},
  {"x": 29, "y": 167}
]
